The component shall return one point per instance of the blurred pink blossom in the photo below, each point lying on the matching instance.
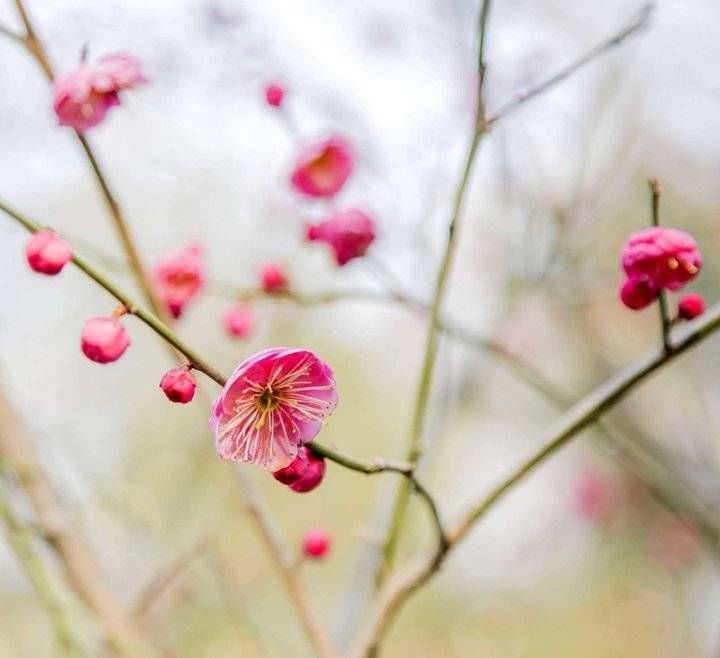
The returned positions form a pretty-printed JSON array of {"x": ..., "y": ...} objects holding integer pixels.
[
  {"x": 673, "y": 542},
  {"x": 273, "y": 277},
  {"x": 316, "y": 543},
  {"x": 348, "y": 233},
  {"x": 691, "y": 306},
  {"x": 597, "y": 495},
  {"x": 274, "y": 95},
  {"x": 178, "y": 277},
  {"x": 664, "y": 257},
  {"x": 274, "y": 401},
  {"x": 637, "y": 293},
  {"x": 83, "y": 96},
  {"x": 323, "y": 168}
]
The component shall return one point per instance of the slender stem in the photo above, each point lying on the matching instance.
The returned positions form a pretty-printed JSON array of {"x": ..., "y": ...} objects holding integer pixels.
[
  {"x": 665, "y": 320},
  {"x": 431, "y": 343},
  {"x": 151, "y": 320},
  {"x": 21, "y": 540},
  {"x": 569, "y": 425},
  {"x": 641, "y": 21}
]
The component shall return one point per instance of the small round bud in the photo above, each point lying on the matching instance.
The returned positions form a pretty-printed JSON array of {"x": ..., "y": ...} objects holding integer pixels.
[
  {"x": 239, "y": 321},
  {"x": 637, "y": 293},
  {"x": 273, "y": 278},
  {"x": 690, "y": 306},
  {"x": 104, "y": 339},
  {"x": 316, "y": 543},
  {"x": 274, "y": 95},
  {"x": 179, "y": 385},
  {"x": 47, "y": 252},
  {"x": 304, "y": 473}
]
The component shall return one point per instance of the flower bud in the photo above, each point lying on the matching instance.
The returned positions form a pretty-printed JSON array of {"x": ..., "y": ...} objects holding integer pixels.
[
  {"x": 104, "y": 339},
  {"x": 179, "y": 385},
  {"x": 348, "y": 233},
  {"x": 47, "y": 252},
  {"x": 317, "y": 543},
  {"x": 239, "y": 321},
  {"x": 637, "y": 293},
  {"x": 273, "y": 278},
  {"x": 690, "y": 306},
  {"x": 304, "y": 473},
  {"x": 274, "y": 94}
]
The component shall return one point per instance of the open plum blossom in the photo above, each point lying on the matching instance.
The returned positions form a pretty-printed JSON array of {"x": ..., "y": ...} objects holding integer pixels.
[
  {"x": 349, "y": 234},
  {"x": 179, "y": 277},
  {"x": 655, "y": 259},
  {"x": 274, "y": 402},
  {"x": 322, "y": 168},
  {"x": 83, "y": 96}
]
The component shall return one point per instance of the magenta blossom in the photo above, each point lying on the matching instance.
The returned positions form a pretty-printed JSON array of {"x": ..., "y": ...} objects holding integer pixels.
[
  {"x": 178, "y": 277},
  {"x": 691, "y": 306},
  {"x": 273, "y": 277},
  {"x": 104, "y": 340},
  {"x": 637, "y": 293},
  {"x": 178, "y": 385},
  {"x": 47, "y": 252},
  {"x": 664, "y": 257},
  {"x": 274, "y": 402},
  {"x": 348, "y": 233},
  {"x": 84, "y": 95},
  {"x": 322, "y": 168}
]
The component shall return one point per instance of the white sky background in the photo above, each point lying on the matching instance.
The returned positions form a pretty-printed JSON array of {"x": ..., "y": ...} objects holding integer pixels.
[{"x": 197, "y": 154}]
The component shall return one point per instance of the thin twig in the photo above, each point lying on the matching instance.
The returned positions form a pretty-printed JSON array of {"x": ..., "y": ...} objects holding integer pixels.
[
  {"x": 11, "y": 34},
  {"x": 665, "y": 320},
  {"x": 641, "y": 21},
  {"x": 431, "y": 343},
  {"x": 569, "y": 425}
]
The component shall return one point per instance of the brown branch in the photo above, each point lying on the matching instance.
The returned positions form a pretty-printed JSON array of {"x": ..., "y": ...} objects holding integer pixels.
[
  {"x": 579, "y": 417},
  {"x": 81, "y": 570}
]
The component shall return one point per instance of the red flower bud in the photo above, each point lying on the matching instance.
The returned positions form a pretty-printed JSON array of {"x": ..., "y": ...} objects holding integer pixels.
[
  {"x": 179, "y": 385},
  {"x": 47, "y": 252},
  {"x": 690, "y": 306},
  {"x": 104, "y": 339},
  {"x": 317, "y": 543},
  {"x": 304, "y": 473}
]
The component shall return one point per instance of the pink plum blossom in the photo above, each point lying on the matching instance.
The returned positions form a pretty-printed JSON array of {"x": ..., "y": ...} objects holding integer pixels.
[
  {"x": 322, "y": 168},
  {"x": 316, "y": 543},
  {"x": 348, "y": 233},
  {"x": 104, "y": 339},
  {"x": 178, "y": 385},
  {"x": 179, "y": 277},
  {"x": 239, "y": 321},
  {"x": 47, "y": 252},
  {"x": 274, "y": 94},
  {"x": 664, "y": 257},
  {"x": 273, "y": 278},
  {"x": 83, "y": 96},
  {"x": 274, "y": 402}
]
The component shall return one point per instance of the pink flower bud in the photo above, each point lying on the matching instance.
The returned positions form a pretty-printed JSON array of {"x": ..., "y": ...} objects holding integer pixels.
[
  {"x": 597, "y": 495},
  {"x": 348, "y": 233},
  {"x": 322, "y": 168},
  {"x": 179, "y": 277},
  {"x": 274, "y": 94},
  {"x": 317, "y": 543},
  {"x": 179, "y": 385},
  {"x": 273, "y": 278},
  {"x": 690, "y": 306},
  {"x": 84, "y": 95},
  {"x": 666, "y": 257},
  {"x": 304, "y": 473},
  {"x": 104, "y": 339},
  {"x": 47, "y": 252},
  {"x": 637, "y": 293},
  {"x": 239, "y": 321}
]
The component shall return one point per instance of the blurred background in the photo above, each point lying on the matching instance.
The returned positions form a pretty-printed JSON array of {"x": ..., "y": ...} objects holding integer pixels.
[{"x": 581, "y": 559}]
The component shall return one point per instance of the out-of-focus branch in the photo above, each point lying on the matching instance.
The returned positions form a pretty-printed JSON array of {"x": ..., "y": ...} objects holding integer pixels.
[
  {"x": 79, "y": 565},
  {"x": 665, "y": 320},
  {"x": 36, "y": 48},
  {"x": 422, "y": 397},
  {"x": 642, "y": 20},
  {"x": 21, "y": 539},
  {"x": 569, "y": 425}
]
